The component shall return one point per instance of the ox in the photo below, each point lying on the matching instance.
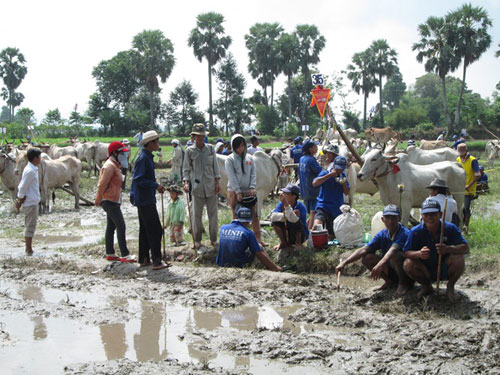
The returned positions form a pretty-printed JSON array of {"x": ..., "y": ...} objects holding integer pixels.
[
  {"x": 100, "y": 153},
  {"x": 268, "y": 168},
  {"x": 492, "y": 152},
  {"x": 380, "y": 136},
  {"x": 432, "y": 145},
  {"x": 85, "y": 152},
  {"x": 53, "y": 174},
  {"x": 391, "y": 172},
  {"x": 7, "y": 174},
  {"x": 422, "y": 157},
  {"x": 56, "y": 152}
]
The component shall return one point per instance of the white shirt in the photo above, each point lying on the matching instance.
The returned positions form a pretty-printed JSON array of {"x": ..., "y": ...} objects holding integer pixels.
[
  {"x": 251, "y": 150},
  {"x": 451, "y": 206},
  {"x": 29, "y": 186}
]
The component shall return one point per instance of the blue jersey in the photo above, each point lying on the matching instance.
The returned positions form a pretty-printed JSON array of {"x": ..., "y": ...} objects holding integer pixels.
[
  {"x": 237, "y": 245},
  {"x": 331, "y": 195},
  {"x": 483, "y": 179},
  {"x": 302, "y": 214},
  {"x": 308, "y": 171},
  {"x": 419, "y": 237},
  {"x": 296, "y": 153},
  {"x": 456, "y": 143},
  {"x": 383, "y": 241}
]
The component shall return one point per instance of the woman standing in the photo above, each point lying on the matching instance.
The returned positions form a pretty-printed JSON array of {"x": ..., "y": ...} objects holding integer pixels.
[{"x": 108, "y": 196}]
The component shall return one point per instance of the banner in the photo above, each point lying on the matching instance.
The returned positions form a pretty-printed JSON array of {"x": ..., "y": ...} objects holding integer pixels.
[{"x": 320, "y": 97}]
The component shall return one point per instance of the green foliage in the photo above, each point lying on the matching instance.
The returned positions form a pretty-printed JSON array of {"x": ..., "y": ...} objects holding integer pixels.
[
  {"x": 12, "y": 71},
  {"x": 25, "y": 116},
  {"x": 268, "y": 119},
  {"x": 394, "y": 89},
  {"x": 182, "y": 112}
]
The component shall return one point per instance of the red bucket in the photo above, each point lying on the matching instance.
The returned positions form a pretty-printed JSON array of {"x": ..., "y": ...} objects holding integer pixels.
[{"x": 319, "y": 238}]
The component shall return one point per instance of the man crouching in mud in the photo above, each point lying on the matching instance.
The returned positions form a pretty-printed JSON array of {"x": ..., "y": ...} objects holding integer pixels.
[
  {"x": 388, "y": 266},
  {"x": 423, "y": 247}
]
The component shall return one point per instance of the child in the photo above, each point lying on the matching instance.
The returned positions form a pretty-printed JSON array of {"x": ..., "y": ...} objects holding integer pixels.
[{"x": 176, "y": 213}]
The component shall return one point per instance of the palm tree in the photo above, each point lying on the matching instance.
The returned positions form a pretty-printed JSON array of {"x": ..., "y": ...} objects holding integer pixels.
[
  {"x": 154, "y": 56},
  {"x": 436, "y": 47},
  {"x": 384, "y": 63},
  {"x": 362, "y": 78},
  {"x": 209, "y": 42},
  {"x": 472, "y": 39},
  {"x": 311, "y": 43},
  {"x": 13, "y": 71},
  {"x": 288, "y": 50}
]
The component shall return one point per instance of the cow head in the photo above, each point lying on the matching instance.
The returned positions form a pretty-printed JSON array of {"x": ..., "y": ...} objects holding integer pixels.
[
  {"x": 376, "y": 163},
  {"x": 21, "y": 162}
]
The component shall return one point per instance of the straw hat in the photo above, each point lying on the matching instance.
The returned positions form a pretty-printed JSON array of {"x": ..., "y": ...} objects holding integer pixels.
[{"x": 148, "y": 137}]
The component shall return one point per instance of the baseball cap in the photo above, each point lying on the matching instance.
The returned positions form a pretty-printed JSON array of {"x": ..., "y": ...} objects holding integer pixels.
[
  {"x": 244, "y": 215},
  {"x": 430, "y": 205},
  {"x": 411, "y": 142},
  {"x": 175, "y": 141},
  {"x": 340, "y": 162},
  {"x": 116, "y": 146},
  {"x": 297, "y": 140},
  {"x": 391, "y": 210},
  {"x": 308, "y": 143},
  {"x": 481, "y": 168},
  {"x": 292, "y": 188}
]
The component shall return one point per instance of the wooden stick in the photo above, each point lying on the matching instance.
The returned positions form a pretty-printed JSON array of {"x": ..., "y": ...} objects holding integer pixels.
[
  {"x": 338, "y": 277},
  {"x": 344, "y": 138},
  {"x": 81, "y": 198},
  {"x": 190, "y": 221},
  {"x": 485, "y": 128},
  {"x": 441, "y": 239},
  {"x": 163, "y": 225}
]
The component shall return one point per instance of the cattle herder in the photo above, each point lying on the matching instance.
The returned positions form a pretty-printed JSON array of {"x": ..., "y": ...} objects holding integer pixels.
[{"x": 473, "y": 174}]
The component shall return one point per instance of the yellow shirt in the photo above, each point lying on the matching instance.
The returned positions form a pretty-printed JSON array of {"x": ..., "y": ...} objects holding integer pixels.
[{"x": 470, "y": 174}]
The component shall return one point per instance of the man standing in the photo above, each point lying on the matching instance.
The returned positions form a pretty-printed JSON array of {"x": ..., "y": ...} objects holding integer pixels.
[
  {"x": 142, "y": 195},
  {"x": 296, "y": 154},
  {"x": 423, "y": 247},
  {"x": 28, "y": 196},
  {"x": 238, "y": 246},
  {"x": 201, "y": 169},
  {"x": 471, "y": 167},
  {"x": 254, "y": 147},
  {"x": 389, "y": 264},
  {"x": 177, "y": 157},
  {"x": 437, "y": 190},
  {"x": 308, "y": 171}
]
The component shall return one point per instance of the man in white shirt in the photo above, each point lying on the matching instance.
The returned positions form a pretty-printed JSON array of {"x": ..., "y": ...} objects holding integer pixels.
[
  {"x": 28, "y": 196},
  {"x": 255, "y": 145},
  {"x": 437, "y": 190}
]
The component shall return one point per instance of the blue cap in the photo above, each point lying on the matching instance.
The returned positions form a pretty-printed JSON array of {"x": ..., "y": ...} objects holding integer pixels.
[
  {"x": 454, "y": 136},
  {"x": 308, "y": 143},
  {"x": 391, "y": 210},
  {"x": 481, "y": 168},
  {"x": 430, "y": 205},
  {"x": 292, "y": 188},
  {"x": 411, "y": 142},
  {"x": 340, "y": 162},
  {"x": 219, "y": 140},
  {"x": 244, "y": 215},
  {"x": 297, "y": 139}
]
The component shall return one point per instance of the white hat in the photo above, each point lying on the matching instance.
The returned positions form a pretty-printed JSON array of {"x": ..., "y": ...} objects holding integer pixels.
[
  {"x": 148, "y": 137},
  {"x": 126, "y": 141},
  {"x": 175, "y": 141}
]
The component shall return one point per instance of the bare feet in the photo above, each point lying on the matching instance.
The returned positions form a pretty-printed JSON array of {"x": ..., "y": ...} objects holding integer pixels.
[
  {"x": 262, "y": 243},
  {"x": 425, "y": 291},
  {"x": 402, "y": 289},
  {"x": 450, "y": 293},
  {"x": 387, "y": 285},
  {"x": 196, "y": 245}
]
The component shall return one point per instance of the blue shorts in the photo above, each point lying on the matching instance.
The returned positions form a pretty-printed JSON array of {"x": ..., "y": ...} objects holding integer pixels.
[
  {"x": 432, "y": 268},
  {"x": 310, "y": 204}
]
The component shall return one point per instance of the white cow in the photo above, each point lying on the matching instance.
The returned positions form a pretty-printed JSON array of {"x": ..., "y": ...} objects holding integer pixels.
[
  {"x": 422, "y": 157},
  {"x": 85, "y": 152},
  {"x": 492, "y": 151},
  {"x": 56, "y": 152},
  {"x": 268, "y": 167},
  {"x": 53, "y": 174},
  {"x": 414, "y": 177},
  {"x": 100, "y": 153},
  {"x": 7, "y": 172}
]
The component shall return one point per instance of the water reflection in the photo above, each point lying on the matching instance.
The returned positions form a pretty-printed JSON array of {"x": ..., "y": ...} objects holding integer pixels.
[
  {"x": 114, "y": 340},
  {"x": 34, "y": 293},
  {"x": 147, "y": 342}
]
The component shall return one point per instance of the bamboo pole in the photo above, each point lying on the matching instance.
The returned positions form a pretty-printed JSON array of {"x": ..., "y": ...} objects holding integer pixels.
[
  {"x": 338, "y": 278},
  {"x": 441, "y": 238},
  {"x": 345, "y": 139},
  {"x": 163, "y": 225}
]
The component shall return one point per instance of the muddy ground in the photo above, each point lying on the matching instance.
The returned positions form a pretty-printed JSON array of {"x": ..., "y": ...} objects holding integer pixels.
[{"x": 67, "y": 310}]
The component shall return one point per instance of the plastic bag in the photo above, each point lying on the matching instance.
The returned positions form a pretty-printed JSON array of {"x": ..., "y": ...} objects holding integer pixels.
[{"x": 348, "y": 227}]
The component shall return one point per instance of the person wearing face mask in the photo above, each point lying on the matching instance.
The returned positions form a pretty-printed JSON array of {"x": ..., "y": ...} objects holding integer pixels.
[{"x": 108, "y": 196}]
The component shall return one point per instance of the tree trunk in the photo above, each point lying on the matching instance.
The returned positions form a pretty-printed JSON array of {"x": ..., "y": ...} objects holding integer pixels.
[
  {"x": 459, "y": 104},
  {"x": 289, "y": 96},
  {"x": 304, "y": 104},
  {"x": 272, "y": 90},
  {"x": 364, "y": 110},
  {"x": 151, "y": 108},
  {"x": 445, "y": 107},
  {"x": 381, "y": 107},
  {"x": 210, "y": 117},
  {"x": 11, "y": 106}
]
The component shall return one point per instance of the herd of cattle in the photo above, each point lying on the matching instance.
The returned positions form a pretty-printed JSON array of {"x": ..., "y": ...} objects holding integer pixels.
[{"x": 401, "y": 176}]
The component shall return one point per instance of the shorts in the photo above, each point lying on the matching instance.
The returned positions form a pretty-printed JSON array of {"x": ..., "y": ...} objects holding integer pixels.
[
  {"x": 31, "y": 216},
  {"x": 326, "y": 218},
  {"x": 432, "y": 268},
  {"x": 292, "y": 230},
  {"x": 310, "y": 204}
]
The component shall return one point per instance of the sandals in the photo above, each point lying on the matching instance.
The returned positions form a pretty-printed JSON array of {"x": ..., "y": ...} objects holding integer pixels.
[
  {"x": 161, "y": 266},
  {"x": 128, "y": 259},
  {"x": 145, "y": 264},
  {"x": 112, "y": 258}
]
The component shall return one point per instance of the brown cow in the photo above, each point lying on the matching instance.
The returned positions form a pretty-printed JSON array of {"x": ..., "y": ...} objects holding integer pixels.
[{"x": 380, "y": 136}]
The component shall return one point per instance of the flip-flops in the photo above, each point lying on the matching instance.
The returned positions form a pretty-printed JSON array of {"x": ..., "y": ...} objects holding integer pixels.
[
  {"x": 161, "y": 266},
  {"x": 145, "y": 264},
  {"x": 112, "y": 258}
]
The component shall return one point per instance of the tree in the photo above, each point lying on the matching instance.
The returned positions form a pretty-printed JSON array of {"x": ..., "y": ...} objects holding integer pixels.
[
  {"x": 472, "y": 40},
  {"x": 153, "y": 54},
  {"x": 209, "y": 42},
  {"x": 12, "y": 70},
  {"x": 311, "y": 43},
  {"x": 25, "y": 116},
  {"x": 384, "y": 63},
  {"x": 53, "y": 118},
  {"x": 394, "y": 89},
  {"x": 436, "y": 47},
  {"x": 263, "y": 54},
  {"x": 288, "y": 50},
  {"x": 362, "y": 79},
  {"x": 181, "y": 108}
]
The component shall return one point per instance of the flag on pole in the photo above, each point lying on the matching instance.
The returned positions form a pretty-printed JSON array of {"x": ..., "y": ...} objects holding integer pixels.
[{"x": 320, "y": 97}]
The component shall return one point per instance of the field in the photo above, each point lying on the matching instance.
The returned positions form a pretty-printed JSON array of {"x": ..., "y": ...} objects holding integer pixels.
[{"x": 106, "y": 318}]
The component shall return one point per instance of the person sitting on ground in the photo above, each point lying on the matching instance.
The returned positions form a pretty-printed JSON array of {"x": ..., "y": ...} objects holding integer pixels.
[
  {"x": 242, "y": 180},
  {"x": 289, "y": 219},
  {"x": 390, "y": 241},
  {"x": 308, "y": 171},
  {"x": 438, "y": 191},
  {"x": 109, "y": 190},
  {"x": 482, "y": 183},
  {"x": 176, "y": 215},
  {"x": 238, "y": 246},
  {"x": 254, "y": 147},
  {"x": 333, "y": 185},
  {"x": 423, "y": 247}
]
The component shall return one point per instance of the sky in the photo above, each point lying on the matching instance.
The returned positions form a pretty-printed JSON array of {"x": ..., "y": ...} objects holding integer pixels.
[{"x": 63, "y": 40}]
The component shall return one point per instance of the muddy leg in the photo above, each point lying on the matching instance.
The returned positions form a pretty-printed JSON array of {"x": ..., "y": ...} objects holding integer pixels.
[
  {"x": 456, "y": 267},
  {"x": 404, "y": 282},
  {"x": 370, "y": 261},
  {"x": 418, "y": 272},
  {"x": 279, "y": 229}
]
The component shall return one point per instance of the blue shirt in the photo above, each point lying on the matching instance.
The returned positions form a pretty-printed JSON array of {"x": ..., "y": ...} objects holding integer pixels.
[
  {"x": 225, "y": 152},
  {"x": 331, "y": 195},
  {"x": 483, "y": 178},
  {"x": 383, "y": 241},
  {"x": 308, "y": 171},
  {"x": 302, "y": 214},
  {"x": 143, "y": 188},
  {"x": 419, "y": 237},
  {"x": 296, "y": 153},
  {"x": 237, "y": 245},
  {"x": 456, "y": 143}
]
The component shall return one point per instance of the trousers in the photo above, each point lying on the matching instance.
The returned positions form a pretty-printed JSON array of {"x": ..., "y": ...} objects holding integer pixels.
[
  {"x": 114, "y": 221},
  {"x": 150, "y": 233},
  {"x": 197, "y": 204}
]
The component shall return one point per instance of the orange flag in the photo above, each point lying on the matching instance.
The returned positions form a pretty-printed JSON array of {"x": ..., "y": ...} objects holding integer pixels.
[{"x": 320, "y": 97}]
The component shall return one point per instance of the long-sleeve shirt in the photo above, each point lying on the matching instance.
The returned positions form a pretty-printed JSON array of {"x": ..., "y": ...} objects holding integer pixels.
[
  {"x": 109, "y": 186},
  {"x": 200, "y": 167},
  {"x": 144, "y": 185},
  {"x": 176, "y": 212},
  {"x": 238, "y": 181},
  {"x": 29, "y": 186}
]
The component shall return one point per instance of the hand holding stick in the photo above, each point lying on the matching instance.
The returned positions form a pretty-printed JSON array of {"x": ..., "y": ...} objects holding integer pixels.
[{"x": 441, "y": 238}]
